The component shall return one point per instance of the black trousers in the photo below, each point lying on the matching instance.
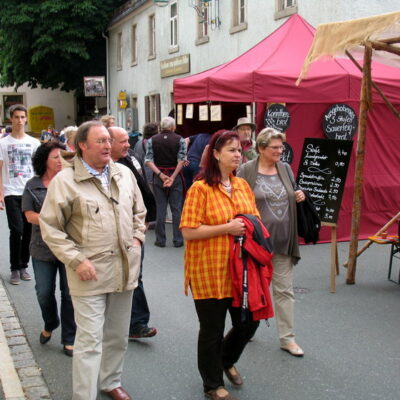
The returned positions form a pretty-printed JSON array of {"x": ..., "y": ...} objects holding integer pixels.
[
  {"x": 216, "y": 352},
  {"x": 20, "y": 233}
]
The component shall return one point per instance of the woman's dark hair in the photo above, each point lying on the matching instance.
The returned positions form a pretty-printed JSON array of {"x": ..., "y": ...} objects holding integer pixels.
[
  {"x": 39, "y": 158},
  {"x": 150, "y": 130},
  {"x": 210, "y": 171}
]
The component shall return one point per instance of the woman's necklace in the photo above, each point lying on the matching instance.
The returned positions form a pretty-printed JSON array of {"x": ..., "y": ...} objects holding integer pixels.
[{"x": 227, "y": 187}]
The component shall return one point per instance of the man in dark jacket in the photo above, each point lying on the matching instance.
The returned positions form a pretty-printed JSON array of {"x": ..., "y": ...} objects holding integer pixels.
[{"x": 140, "y": 314}]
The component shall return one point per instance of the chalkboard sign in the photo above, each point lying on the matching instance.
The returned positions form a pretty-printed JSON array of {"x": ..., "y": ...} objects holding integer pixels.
[
  {"x": 287, "y": 155},
  {"x": 322, "y": 172},
  {"x": 340, "y": 122},
  {"x": 277, "y": 116}
]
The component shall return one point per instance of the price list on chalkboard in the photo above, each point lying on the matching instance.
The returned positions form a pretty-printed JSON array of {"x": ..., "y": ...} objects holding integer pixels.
[{"x": 322, "y": 173}]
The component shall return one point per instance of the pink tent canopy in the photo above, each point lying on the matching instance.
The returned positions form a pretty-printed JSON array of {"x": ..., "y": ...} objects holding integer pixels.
[{"x": 268, "y": 73}]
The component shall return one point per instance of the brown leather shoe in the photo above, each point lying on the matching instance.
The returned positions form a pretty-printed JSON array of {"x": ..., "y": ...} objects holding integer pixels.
[
  {"x": 213, "y": 394},
  {"x": 235, "y": 378},
  {"x": 118, "y": 394}
]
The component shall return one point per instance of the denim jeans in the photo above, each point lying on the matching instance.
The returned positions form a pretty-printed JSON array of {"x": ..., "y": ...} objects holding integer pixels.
[
  {"x": 20, "y": 233},
  {"x": 140, "y": 314},
  {"x": 45, "y": 277},
  {"x": 190, "y": 172},
  {"x": 174, "y": 197}
]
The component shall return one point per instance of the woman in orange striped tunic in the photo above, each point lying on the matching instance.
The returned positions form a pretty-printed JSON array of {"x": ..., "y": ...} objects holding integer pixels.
[{"x": 208, "y": 218}]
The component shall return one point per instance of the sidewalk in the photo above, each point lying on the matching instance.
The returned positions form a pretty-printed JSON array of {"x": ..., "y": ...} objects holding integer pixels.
[{"x": 20, "y": 376}]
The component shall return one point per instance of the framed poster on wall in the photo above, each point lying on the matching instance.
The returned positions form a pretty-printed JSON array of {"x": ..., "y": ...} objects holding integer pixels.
[{"x": 9, "y": 100}]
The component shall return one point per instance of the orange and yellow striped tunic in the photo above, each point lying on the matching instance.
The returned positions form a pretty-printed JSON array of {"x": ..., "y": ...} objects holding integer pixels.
[{"x": 207, "y": 260}]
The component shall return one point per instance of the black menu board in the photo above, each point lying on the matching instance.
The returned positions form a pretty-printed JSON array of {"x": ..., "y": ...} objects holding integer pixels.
[
  {"x": 277, "y": 116},
  {"x": 322, "y": 172},
  {"x": 340, "y": 122}
]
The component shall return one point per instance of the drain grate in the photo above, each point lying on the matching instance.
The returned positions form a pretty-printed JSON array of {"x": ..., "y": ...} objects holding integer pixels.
[{"x": 301, "y": 290}]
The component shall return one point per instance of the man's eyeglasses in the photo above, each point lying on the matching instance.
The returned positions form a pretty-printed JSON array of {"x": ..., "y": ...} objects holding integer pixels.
[
  {"x": 277, "y": 147},
  {"x": 103, "y": 141}
]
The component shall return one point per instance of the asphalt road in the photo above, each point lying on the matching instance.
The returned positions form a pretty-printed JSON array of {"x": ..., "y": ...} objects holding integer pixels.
[{"x": 351, "y": 338}]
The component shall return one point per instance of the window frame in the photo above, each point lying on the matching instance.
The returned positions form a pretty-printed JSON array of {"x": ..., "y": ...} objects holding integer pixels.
[
  {"x": 173, "y": 26},
  {"x": 119, "y": 51},
  {"x": 152, "y": 37},
  {"x": 202, "y": 25},
  {"x": 239, "y": 16},
  {"x": 282, "y": 9},
  {"x": 134, "y": 48}
]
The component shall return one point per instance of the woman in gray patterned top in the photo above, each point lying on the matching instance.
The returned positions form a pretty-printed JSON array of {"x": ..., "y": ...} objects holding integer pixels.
[
  {"x": 276, "y": 201},
  {"x": 47, "y": 163}
]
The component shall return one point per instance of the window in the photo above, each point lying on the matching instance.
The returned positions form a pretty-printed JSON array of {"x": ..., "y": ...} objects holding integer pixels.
[
  {"x": 173, "y": 24},
  {"x": 284, "y": 8},
  {"x": 152, "y": 108},
  {"x": 133, "y": 45},
  {"x": 202, "y": 23},
  {"x": 152, "y": 36},
  {"x": 119, "y": 50},
  {"x": 239, "y": 15}
]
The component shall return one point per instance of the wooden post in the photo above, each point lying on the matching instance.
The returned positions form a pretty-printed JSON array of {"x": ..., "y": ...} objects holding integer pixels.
[
  {"x": 334, "y": 255},
  {"x": 358, "y": 177}
]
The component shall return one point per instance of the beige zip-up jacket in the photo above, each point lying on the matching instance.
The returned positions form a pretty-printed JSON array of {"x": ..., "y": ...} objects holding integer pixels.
[{"x": 79, "y": 220}]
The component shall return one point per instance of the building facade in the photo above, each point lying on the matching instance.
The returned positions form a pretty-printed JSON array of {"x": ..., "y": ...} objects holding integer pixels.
[
  {"x": 152, "y": 42},
  {"x": 62, "y": 105}
]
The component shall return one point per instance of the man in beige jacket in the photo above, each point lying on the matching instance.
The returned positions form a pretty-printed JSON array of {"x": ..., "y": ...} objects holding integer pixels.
[{"x": 93, "y": 221}]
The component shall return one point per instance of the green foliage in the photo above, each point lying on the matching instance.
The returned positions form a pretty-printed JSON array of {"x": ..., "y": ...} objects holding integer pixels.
[{"x": 53, "y": 43}]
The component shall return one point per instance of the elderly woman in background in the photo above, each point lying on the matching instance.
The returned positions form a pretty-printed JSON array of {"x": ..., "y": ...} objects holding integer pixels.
[
  {"x": 271, "y": 181},
  {"x": 70, "y": 133},
  {"x": 108, "y": 120},
  {"x": 47, "y": 163},
  {"x": 208, "y": 218}
]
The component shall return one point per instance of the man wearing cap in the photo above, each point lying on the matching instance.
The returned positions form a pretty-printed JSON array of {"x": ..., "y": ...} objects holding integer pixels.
[{"x": 244, "y": 128}]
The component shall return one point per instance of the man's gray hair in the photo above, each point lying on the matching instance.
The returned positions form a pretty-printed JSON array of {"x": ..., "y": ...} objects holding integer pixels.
[
  {"x": 168, "y": 123},
  {"x": 82, "y": 134}
]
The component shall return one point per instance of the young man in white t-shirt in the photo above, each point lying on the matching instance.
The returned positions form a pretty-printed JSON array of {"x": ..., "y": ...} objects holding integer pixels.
[{"x": 15, "y": 170}]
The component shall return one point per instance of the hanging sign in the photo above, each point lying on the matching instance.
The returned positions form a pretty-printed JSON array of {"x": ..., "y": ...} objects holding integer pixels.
[
  {"x": 339, "y": 122},
  {"x": 322, "y": 172},
  {"x": 287, "y": 155},
  {"x": 277, "y": 116}
]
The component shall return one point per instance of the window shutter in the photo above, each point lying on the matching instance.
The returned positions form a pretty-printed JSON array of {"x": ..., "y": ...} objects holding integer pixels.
[
  {"x": 158, "y": 107},
  {"x": 147, "y": 109}
]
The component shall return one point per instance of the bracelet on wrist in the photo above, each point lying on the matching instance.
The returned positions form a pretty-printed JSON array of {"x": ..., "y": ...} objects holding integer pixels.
[{"x": 159, "y": 174}]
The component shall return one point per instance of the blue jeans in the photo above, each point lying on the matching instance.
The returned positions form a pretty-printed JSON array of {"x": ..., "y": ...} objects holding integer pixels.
[
  {"x": 140, "y": 314},
  {"x": 190, "y": 172},
  {"x": 45, "y": 277}
]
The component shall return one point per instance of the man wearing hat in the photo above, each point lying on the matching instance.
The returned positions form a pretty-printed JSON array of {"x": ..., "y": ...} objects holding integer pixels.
[{"x": 244, "y": 128}]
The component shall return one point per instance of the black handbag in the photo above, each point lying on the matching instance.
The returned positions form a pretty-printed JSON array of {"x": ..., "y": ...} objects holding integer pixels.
[{"x": 308, "y": 221}]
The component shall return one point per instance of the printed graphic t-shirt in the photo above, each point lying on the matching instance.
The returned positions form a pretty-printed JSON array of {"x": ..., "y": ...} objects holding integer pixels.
[{"x": 16, "y": 155}]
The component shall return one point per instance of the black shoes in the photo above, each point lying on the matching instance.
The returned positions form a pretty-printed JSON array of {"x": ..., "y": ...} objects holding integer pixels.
[
  {"x": 159, "y": 244},
  {"x": 44, "y": 339},
  {"x": 178, "y": 244},
  {"x": 68, "y": 352}
]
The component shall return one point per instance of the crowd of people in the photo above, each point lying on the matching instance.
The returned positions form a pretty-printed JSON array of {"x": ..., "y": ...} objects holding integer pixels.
[{"x": 79, "y": 203}]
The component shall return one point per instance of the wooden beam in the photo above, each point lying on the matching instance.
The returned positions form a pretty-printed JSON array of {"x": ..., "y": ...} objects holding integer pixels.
[
  {"x": 384, "y": 47},
  {"x": 390, "y": 40},
  {"x": 358, "y": 178},
  {"x": 383, "y": 229},
  {"x": 392, "y": 108}
]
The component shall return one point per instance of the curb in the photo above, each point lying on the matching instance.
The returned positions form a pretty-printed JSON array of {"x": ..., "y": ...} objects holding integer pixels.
[{"x": 20, "y": 376}]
